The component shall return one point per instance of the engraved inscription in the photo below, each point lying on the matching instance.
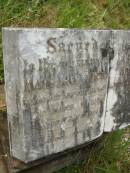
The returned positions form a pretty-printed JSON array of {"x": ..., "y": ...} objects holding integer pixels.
[
  {"x": 66, "y": 92},
  {"x": 64, "y": 87}
]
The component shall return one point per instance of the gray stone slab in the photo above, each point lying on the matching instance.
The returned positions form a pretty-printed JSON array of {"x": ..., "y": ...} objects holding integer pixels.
[
  {"x": 58, "y": 87},
  {"x": 118, "y": 99}
]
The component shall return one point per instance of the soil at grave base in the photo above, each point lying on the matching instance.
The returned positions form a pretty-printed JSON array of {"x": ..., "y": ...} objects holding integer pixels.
[
  {"x": 2, "y": 97},
  {"x": 4, "y": 147}
]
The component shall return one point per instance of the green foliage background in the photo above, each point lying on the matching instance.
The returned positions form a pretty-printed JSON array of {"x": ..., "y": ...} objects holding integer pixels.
[{"x": 111, "y": 155}]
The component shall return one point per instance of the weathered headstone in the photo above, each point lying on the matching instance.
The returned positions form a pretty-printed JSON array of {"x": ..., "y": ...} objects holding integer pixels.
[
  {"x": 64, "y": 87},
  {"x": 118, "y": 99}
]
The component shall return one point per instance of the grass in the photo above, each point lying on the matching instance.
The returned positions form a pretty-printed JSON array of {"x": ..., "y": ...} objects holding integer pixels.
[{"x": 111, "y": 154}]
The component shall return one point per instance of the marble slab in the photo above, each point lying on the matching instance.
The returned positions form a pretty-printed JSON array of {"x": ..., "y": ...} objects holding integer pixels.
[{"x": 64, "y": 87}]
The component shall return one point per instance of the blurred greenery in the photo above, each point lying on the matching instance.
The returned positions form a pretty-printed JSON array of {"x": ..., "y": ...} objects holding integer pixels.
[{"x": 111, "y": 155}]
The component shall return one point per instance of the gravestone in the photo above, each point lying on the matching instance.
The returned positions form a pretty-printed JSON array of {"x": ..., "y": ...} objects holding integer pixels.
[
  {"x": 64, "y": 87},
  {"x": 118, "y": 98}
]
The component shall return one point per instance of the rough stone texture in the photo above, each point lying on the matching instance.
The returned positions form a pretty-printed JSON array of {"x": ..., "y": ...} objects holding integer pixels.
[
  {"x": 50, "y": 164},
  {"x": 62, "y": 86},
  {"x": 118, "y": 99}
]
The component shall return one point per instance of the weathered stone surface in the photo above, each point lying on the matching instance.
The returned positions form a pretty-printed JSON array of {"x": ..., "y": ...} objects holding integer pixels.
[
  {"x": 60, "y": 89},
  {"x": 118, "y": 99}
]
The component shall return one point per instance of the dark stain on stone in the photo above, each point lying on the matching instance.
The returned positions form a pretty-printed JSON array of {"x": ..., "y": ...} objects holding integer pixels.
[
  {"x": 10, "y": 136},
  {"x": 15, "y": 124},
  {"x": 101, "y": 108},
  {"x": 89, "y": 130},
  {"x": 28, "y": 76},
  {"x": 85, "y": 84},
  {"x": 47, "y": 77},
  {"x": 121, "y": 109},
  {"x": 35, "y": 103},
  {"x": 16, "y": 117},
  {"x": 37, "y": 134},
  {"x": 70, "y": 67},
  {"x": 75, "y": 131},
  {"x": 104, "y": 52},
  {"x": 84, "y": 135},
  {"x": 28, "y": 128},
  {"x": 111, "y": 54},
  {"x": 41, "y": 69},
  {"x": 86, "y": 107},
  {"x": 48, "y": 106},
  {"x": 97, "y": 128},
  {"x": 95, "y": 48},
  {"x": 50, "y": 135},
  {"x": 62, "y": 106},
  {"x": 47, "y": 149},
  {"x": 107, "y": 52},
  {"x": 62, "y": 132},
  {"x": 33, "y": 131}
]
